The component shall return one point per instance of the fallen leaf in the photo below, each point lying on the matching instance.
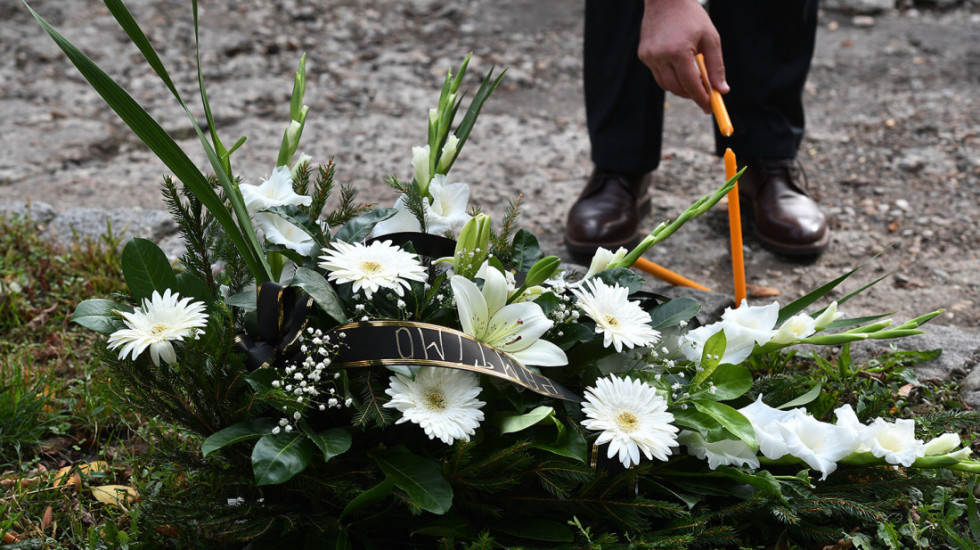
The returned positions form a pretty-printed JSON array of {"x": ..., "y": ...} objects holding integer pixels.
[
  {"x": 905, "y": 390},
  {"x": 115, "y": 495},
  {"x": 893, "y": 227},
  {"x": 10, "y": 537},
  {"x": 759, "y": 291},
  {"x": 846, "y": 43},
  {"x": 97, "y": 466},
  {"x": 67, "y": 475},
  {"x": 46, "y": 519}
]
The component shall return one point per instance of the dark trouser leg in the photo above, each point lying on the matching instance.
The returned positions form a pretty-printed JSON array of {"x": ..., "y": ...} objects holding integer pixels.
[
  {"x": 767, "y": 46},
  {"x": 623, "y": 104}
]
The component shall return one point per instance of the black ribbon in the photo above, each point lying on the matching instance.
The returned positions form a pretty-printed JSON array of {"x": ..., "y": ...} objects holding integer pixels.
[
  {"x": 281, "y": 315},
  {"x": 381, "y": 343},
  {"x": 425, "y": 244}
]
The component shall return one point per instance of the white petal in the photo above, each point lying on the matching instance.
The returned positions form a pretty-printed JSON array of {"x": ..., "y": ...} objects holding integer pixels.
[
  {"x": 471, "y": 305},
  {"x": 542, "y": 353},
  {"x": 494, "y": 289}
]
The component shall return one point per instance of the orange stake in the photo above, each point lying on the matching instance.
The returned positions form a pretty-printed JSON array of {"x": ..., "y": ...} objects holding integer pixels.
[
  {"x": 735, "y": 229},
  {"x": 717, "y": 104},
  {"x": 665, "y": 274}
]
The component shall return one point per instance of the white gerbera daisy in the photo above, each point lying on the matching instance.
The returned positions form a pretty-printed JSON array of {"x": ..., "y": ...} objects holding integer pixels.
[
  {"x": 632, "y": 416},
  {"x": 620, "y": 321},
  {"x": 157, "y": 324},
  {"x": 442, "y": 401},
  {"x": 372, "y": 267}
]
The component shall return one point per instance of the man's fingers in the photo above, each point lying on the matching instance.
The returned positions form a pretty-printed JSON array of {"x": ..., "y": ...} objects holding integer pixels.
[
  {"x": 715, "y": 65},
  {"x": 690, "y": 80}
]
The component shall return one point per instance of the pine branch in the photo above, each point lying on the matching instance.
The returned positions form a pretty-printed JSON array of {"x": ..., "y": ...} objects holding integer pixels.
[
  {"x": 348, "y": 209},
  {"x": 371, "y": 411},
  {"x": 500, "y": 241},
  {"x": 322, "y": 189},
  {"x": 193, "y": 223}
]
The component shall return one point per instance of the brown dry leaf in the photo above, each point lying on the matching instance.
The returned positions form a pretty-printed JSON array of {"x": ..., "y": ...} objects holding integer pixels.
[
  {"x": 846, "y": 43},
  {"x": 46, "y": 519},
  {"x": 893, "y": 227},
  {"x": 97, "y": 466},
  {"x": 10, "y": 537},
  {"x": 905, "y": 390},
  {"x": 759, "y": 291},
  {"x": 115, "y": 495},
  {"x": 66, "y": 475}
]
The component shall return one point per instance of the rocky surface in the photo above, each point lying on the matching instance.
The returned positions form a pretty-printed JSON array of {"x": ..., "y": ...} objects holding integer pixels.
[{"x": 892, "y": 141}]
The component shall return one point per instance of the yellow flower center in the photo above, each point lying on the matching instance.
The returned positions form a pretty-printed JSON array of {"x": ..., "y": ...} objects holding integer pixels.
[
  {"x": 627, "y": 421},
  {"x": 157, "y": 329},
  {"x": 435, "y": 401},
  {"x": 370, "y": 267},
  {"x": 611, "y": 321}
]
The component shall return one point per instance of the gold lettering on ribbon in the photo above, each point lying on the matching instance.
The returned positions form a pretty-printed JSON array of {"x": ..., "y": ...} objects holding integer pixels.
[
  {"x": 438, "y": 347},
  {"x": 398, "y": 343}
]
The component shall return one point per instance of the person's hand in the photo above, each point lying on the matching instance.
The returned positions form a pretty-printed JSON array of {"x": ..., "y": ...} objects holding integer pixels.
[{"x": 672, "y": 32}]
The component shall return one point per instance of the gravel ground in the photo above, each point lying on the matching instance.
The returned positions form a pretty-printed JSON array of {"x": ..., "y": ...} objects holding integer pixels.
[{"x": 893, "y": 136}]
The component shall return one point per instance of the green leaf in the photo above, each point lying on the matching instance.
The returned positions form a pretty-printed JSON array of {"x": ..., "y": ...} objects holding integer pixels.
[
  {"x": 322, "y": 293},
  {"x": 762, "y": 481},
  {"x": 277, "y": 458},
  {"x": 452, "y": 525},
  {"x": 569, "y": 443},
  {"x": 360, "y": 227},
  {"x": 243, "y": 431},
  {"x": 624, "y": 277},
  {"x": 673, "y": 312},
  {"x": 525, "y": 250},
  {"x": 245, "y": 299},
  {"x": 731, "y": 381},
  {"x": 731, "y": 419},
  {"x": 146, "y": 269},
  {"x": 804, "y": 399},
  {"x": 97, "y": 315},
  {"x": 332, "y": 442},
  {"x": 261, "y": 379},
  {"x": 537, "y": 529},
  {"x": 189, "y": 284},
  {"x": 367, "y": 498},
  {"x": 511, "y": 422},
  {"x": 714, "y": 350},
  {"x": 421, "y": 478},
  {"x": 469, "y": 119}
]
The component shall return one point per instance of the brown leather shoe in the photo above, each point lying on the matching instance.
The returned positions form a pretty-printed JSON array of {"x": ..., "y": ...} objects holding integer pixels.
[
  {"x": 607, "y": 213},
  {"x": 787, "y": 220}
]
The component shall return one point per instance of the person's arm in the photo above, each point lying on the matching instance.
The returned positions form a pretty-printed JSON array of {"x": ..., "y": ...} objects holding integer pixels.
[{"x": 673, "y": 31}]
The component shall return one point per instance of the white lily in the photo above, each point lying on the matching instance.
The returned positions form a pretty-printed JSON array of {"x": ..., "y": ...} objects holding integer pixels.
[
  {"x": 601, "y": 260},
  {"x": 795, "y": 328},
  {"x": 829, "y": 315},
  {"x": 448, "y": 208},
  {"x": 275, "y": 191},
  {"x": 819, "y": 444},
  {"x": 726, "y": 452},
  {"x": 279, "y": 231},
  {"x": 515, "y": 329}
]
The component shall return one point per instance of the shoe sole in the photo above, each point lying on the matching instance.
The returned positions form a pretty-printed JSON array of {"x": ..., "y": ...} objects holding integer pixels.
[{"x": 585, "y": 251}]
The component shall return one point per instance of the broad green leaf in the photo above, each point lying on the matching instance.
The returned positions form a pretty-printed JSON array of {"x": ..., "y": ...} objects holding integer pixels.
[
  {"x": 624, "y": 277},
  {"x": 261, "y": 379},
  {"x": 569, "y": 443},
  {"x": 322, "y": 293},
  {"x": 451, "y": 525},
  {"x": 714, "y": 350},
  {"x": 762, "y": 481},
  {"x": 420, "y": 477},
  {"x": 524, "y": 250},
  {"x": 730, "y": 382},
  {"x": 277, "y": 458},
  {"x": 332, "y": 442},
  {"x": 537, "y": 529},
  {"x": 673, "y": 312},
  {"x": 245, "y": 299},
  {"x": 367, "y": 498},
  {"x": 243, "y": 431},
  {"x": 189, "y": 284},
  {"x": 360, "y": 227},
  {"x": 804, "y": 399},
  {"x": 146, "y": 268},
  {"x": 731, "y": 419},
  {"x": 510, "y": 422},
  {"x": 97, "y": 315}
]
